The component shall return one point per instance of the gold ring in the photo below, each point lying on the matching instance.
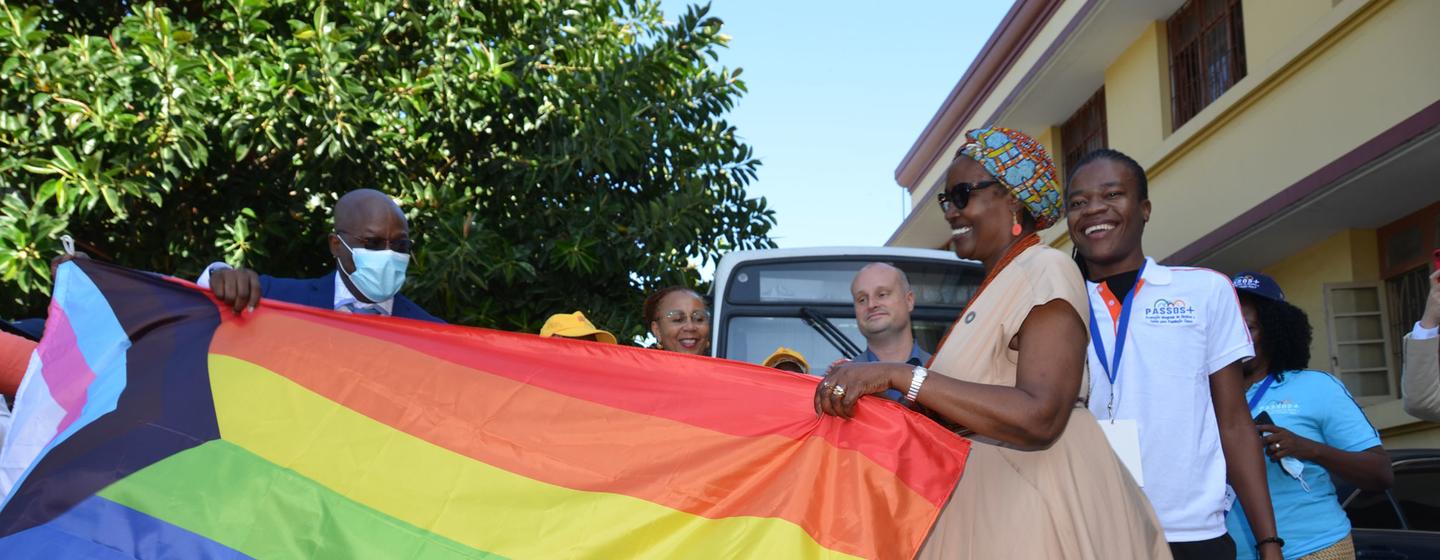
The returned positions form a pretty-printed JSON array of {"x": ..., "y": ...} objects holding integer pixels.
[{"x": 838, "y": 391}]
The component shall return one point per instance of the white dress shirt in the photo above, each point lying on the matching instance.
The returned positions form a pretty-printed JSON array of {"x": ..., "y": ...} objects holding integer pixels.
[{"x": 343, "y": 296}]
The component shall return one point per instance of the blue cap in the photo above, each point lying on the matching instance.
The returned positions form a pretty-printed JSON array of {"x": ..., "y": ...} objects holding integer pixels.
[{"x": 1258, "y": 284}]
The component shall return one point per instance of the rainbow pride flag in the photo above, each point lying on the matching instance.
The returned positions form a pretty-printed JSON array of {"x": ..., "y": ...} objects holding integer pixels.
[{"x": 152, "y": 424}]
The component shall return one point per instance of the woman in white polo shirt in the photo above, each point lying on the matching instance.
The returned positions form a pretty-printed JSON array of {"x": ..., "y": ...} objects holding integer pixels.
[{"x": 1165, "y": 353}]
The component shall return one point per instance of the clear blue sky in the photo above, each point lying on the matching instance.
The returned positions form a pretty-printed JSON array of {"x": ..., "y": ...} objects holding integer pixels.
[{"x": 838, "y": 91}]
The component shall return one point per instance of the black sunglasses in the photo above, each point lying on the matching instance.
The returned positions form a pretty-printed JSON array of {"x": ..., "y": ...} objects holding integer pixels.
[
  {"x": 402, "y": 245},
  {"x": 959, "y": 194}
]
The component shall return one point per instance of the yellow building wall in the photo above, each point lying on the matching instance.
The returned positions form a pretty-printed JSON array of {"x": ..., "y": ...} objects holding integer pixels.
[
  {"x": 1348, "y": 256},
  {"x": 1303, "y": 276},
  {"x": 1400, "y": 430},
  {"x": 1270, "y": 24},
  {"x": 1136, "y": 94},
  {"x": 1050, "y": 139},
  {"x": 1047, "y": 35},
  {"x": 1424, "y": 435},
  {"x": 1281, "y": 124},
  {"x": 1365, "y": 255},
  {"x": 1137, "y": 83},
  {"x": 1323, "y": 77}
]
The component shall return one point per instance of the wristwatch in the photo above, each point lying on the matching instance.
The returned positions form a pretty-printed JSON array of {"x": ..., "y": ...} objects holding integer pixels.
[{"x": 917, "y": 378}]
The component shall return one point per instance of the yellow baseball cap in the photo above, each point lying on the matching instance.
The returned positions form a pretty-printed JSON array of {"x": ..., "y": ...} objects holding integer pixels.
[
  {"x": 573, "y": 325},
  {"x": 783, "y": 355}
]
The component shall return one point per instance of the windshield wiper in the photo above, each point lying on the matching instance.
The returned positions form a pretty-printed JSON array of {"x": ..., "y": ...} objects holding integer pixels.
[{"x": 830, "y": 332}]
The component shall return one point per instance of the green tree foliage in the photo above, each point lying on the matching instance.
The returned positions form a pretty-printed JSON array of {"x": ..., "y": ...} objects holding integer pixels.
[{"x": 551, "y": 156}]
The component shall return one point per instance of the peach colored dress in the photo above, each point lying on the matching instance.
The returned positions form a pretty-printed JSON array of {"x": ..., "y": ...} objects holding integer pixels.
[{"x": 1072, "y": 500}]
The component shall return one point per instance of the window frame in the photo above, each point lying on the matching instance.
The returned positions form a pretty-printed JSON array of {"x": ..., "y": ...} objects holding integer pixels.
[
  {"x": 1085, "y": 124},
  {"x": 1190, "y": 94},
  {"x": 1386, "y": 340},
  {"x": 1407, "y": 279},
  {"x": 1427, "y": 218}
]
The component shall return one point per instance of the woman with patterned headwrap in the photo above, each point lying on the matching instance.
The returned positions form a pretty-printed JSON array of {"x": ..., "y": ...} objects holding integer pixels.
[{"x": 1041, "y": 480}]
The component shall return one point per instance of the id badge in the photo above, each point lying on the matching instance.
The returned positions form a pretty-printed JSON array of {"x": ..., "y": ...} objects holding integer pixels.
[{"x": 1124, "y": 436}]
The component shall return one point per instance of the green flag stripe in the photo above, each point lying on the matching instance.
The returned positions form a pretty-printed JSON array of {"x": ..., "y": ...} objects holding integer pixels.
[{"x": 238, "y": 499}]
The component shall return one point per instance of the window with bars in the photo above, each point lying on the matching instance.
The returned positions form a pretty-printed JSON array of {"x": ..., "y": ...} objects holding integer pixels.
[
  {"x": 1207, "y": 54},
  {"x": 1405, "y": 249},
  {"x": 1406, "y": 294},
  {"x": 1084, "y": 131}
]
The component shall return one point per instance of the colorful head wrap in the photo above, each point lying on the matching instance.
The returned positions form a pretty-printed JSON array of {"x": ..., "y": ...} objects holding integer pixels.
[{"x": 1021, "y": 163}]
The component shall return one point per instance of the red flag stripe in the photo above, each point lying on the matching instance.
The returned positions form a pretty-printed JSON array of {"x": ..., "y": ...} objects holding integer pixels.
[{"x": 740, "y": 402}]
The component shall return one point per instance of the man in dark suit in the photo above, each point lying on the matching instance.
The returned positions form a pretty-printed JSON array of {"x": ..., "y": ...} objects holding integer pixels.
[{"x": 371, "y": 244}]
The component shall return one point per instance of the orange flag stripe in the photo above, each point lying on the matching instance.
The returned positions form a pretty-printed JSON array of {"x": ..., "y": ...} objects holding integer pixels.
[{"x": 737, "y": 401}]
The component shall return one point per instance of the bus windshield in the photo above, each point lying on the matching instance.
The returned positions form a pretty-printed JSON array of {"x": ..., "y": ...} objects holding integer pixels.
[
  {"x": 762, "y": 303},
  {"x": 752, "y": 339},
  {"x": 945, "y": 284}
]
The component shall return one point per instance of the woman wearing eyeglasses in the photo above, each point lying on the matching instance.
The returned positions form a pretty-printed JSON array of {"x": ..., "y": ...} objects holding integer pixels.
[
  {"x": 1041, "y": 480},
  {"x": 679, "y": 320}
]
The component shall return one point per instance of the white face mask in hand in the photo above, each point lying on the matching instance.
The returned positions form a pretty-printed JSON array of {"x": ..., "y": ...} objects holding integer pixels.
[
  {"x": 378, "y": 274},
  {"x": 1294, "y": 467}
]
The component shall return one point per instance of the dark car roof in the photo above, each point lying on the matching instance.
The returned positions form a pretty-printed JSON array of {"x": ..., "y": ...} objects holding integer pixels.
[{"x": 1397, "y": 455}]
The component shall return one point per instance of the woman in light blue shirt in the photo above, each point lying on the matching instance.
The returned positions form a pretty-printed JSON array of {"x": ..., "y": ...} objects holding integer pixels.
[{"x": 1315, "y": 431}]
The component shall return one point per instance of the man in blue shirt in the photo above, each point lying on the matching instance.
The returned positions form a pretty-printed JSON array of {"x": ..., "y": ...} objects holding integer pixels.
[{"x": 883, "y": 303}]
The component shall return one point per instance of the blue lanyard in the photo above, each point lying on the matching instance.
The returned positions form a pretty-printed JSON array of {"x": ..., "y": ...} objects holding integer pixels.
[
  {"x": 1112, "y": 367},
  {"x": 1260, "y": 393}
]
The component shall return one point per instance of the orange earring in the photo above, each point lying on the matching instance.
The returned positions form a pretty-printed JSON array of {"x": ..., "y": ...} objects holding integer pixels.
[{"x": 1015, "y": 229}]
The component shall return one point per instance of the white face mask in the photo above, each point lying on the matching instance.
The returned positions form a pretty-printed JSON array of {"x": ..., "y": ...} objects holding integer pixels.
[
  {"x": 378, "y": 274},
  {"x": 1294, "y": 467}
]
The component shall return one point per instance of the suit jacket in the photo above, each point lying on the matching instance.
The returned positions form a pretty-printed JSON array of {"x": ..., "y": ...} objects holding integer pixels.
[
  {"x": 1420, "y": 380},
  {"x": 320, "y": 292}
]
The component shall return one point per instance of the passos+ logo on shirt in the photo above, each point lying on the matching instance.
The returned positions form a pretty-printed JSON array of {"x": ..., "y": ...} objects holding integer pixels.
[{"x": 1170, "y": 312}]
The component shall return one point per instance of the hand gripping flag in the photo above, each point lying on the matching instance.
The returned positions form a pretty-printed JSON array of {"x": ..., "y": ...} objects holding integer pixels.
[{"x": 153, "y": 424}]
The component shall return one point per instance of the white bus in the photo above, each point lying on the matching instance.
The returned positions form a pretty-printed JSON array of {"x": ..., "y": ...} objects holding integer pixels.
[{"x": 800, "y": 299}]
